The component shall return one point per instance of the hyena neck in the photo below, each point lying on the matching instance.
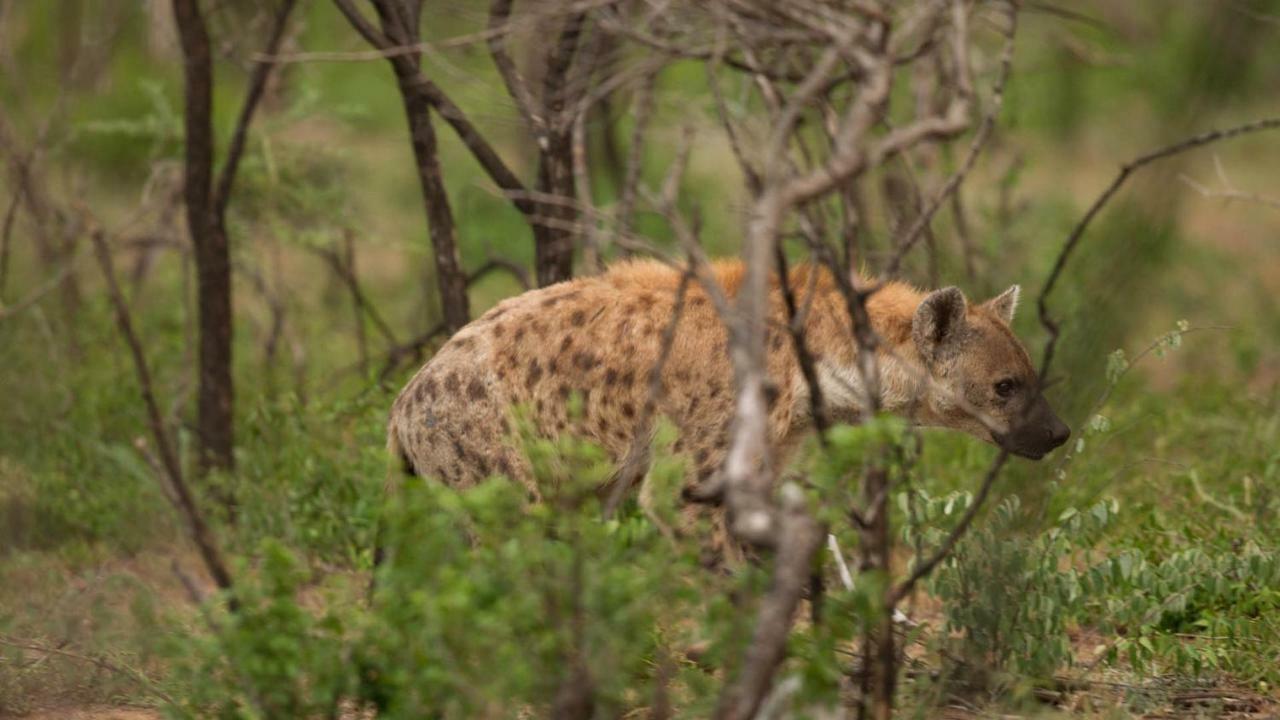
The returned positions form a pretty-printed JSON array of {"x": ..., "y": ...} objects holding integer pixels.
[{"x": 838, "y": 366}]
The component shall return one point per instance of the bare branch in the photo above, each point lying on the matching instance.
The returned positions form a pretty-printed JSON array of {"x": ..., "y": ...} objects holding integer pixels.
[
  {"x": 800, "y": 538},
  {"x": 922, "y": 569},
  {"x": 643, "y": 111},
  {"x": 1229, "y": 192},
  {"x": 110, "y": 666},
  {"x": 187, "y": 504},
  {"x": 1073, "y": 239},
  {"x": 257, "y": 84},
  {"x": 35, "y": 296},
  {"x": 6, "y": 238},
  {"x": 952, "y": 185},
  {"x": 517, "y": 88}
]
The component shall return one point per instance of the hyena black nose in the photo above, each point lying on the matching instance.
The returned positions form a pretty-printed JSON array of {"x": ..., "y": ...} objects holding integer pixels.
[{"x": 1058, "y": 433}]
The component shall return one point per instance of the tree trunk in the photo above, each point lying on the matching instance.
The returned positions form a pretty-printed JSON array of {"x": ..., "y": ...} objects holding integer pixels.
[
  {"x": 399, "y": 20},
  {"x": 553, "y": 229},
  {"x": 213, "y": 265},
  {"x": 444, "y": 244}
]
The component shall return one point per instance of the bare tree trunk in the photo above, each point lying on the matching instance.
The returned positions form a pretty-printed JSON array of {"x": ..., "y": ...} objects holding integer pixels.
[
  {"x": 213, "y": 264},
  {"x": 399, "y": 28},
  {"x": 553, "y": 231},
  {"x": 206, "y": 207},
  {"x": 448, "y": 263},
  {"x": 554, "y": 234}
]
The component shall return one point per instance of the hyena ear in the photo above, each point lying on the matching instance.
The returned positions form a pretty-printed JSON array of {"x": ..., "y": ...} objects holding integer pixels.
[
  {"x": 938, "y": 319},
  {"x": 1005, "y": 304}
]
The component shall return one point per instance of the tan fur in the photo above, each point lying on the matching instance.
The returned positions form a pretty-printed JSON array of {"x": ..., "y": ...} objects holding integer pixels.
[{"x": 600, "y": 337}]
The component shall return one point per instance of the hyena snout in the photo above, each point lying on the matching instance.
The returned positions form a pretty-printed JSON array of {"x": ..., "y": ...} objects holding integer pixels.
[{"x": 1040, "y": 432}]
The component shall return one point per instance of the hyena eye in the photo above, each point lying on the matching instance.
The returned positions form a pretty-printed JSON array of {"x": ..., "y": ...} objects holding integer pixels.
[{"x": 1005, "y": 387}]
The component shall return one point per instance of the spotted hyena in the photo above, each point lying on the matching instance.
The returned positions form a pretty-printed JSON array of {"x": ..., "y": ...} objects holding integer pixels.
[{"x": 945, "y": 361}]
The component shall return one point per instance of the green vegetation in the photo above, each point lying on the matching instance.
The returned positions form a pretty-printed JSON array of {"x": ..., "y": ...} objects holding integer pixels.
[{"x": 1135, "y": 570}]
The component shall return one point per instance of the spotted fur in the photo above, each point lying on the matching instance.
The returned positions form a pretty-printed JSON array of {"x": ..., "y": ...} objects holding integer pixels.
[{"x": 600, "y": 338}]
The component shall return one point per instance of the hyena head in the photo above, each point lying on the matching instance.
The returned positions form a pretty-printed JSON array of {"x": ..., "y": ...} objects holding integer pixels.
[{"x": 977, "y": 367}]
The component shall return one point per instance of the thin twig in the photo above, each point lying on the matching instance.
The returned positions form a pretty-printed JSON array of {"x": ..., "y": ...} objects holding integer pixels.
[
  {"x": 952, "y": 185},
  {"x": 1077, "y": 233},
  {"x": 253, "y": 97},
  {"x": 200, "y": 531},
  {"x": 122, "y": 670}
]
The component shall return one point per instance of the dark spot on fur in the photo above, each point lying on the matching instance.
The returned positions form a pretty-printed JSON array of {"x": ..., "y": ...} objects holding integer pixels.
[
  {"x": 551, "y": 366},
  {"x": 497, "y": 330},
  {"x": 419, "y": 393},
  {"x": 610, "y": 377},
  {"x": 628, "y": 410},
  {"x": 585, "y": 360},
  {"x": 682, "y": 376},
  {"x": 604, "y": 427},
  {"x": 704, "y": 474},
  {"x": 506, "y": 426},
  {"x": 700, "y": 457},
  {"x": 628, "y": 378},
  {"x": 563, "y": 390},
  {"x": 713, "y": 391},
  {"x": 771, "y": 395},
  {"x": 535, "y": 374},
  {"x": 475, "y": 390},
  {"x": 693, "y": 404},
  {"x": 775, "y": 341},
  {"x": 504, "y": 466},
  {"x": 430, "y": 385},
  {"x": 697, "y": 301},
  {"x": 459, "y": 449},
  {"x": 519, "y": 334},
  {"x": 451, "y": 382},
  {"x": 566, "y": 343},
  {"x": 539, "y": 405},
  {"x": 646, "y": 301},
  {"x": 464, "y": 342},
  {"x": 578, "y": 318},
  {"x": 678, "y": 446}
]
